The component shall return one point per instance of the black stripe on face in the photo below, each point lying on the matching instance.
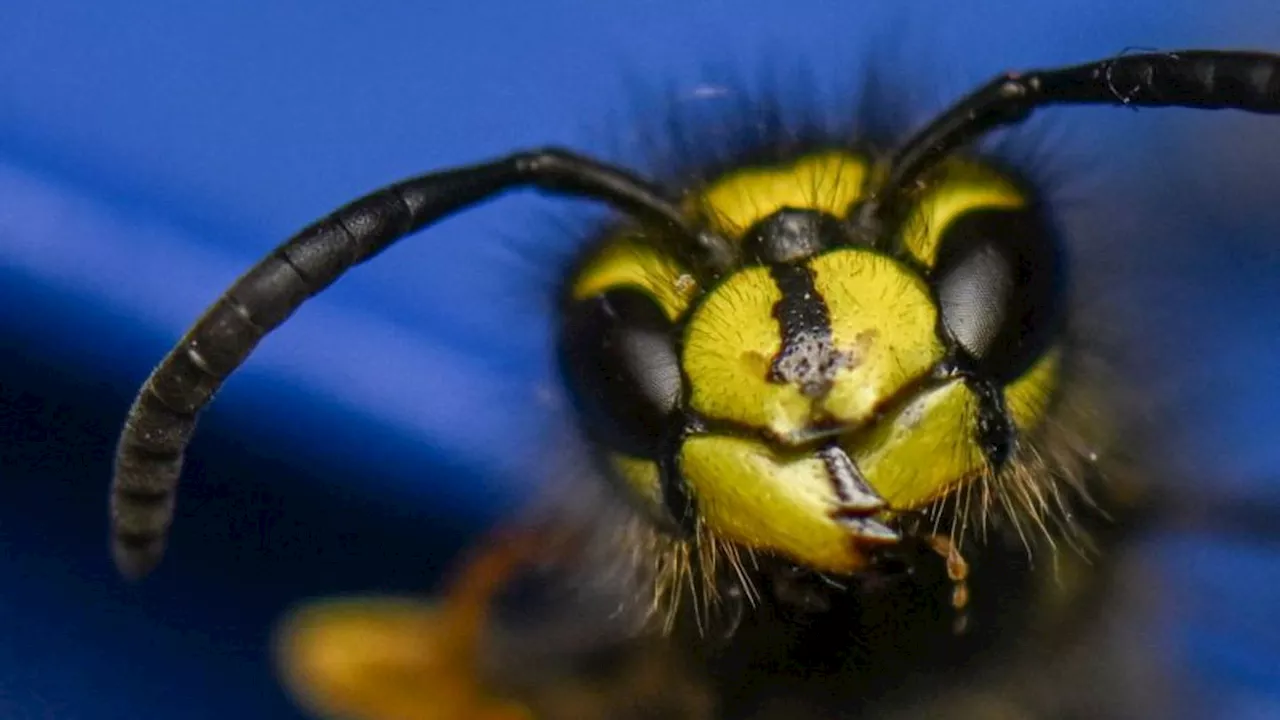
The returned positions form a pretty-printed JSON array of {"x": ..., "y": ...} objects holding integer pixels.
[
  {"x": 808, "y": 358},
  {"x": 996, "y": 433},
  {"x": 679, "y": 503}
]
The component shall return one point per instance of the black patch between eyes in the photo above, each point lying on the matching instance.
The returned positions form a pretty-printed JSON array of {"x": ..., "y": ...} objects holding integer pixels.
[{"x": 808, "y": 358}]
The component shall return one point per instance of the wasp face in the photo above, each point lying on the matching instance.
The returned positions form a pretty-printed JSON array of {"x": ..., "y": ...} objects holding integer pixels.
[{"x": 798, "y": 403}]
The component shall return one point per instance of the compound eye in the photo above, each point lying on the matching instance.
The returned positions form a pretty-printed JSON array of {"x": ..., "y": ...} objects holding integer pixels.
[
  {"x": 998, "y": 278},
  {"x": 617, "y": 351}
]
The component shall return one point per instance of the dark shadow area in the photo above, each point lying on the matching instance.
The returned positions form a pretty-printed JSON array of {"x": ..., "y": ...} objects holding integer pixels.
[{"x": 255, "y": 533}]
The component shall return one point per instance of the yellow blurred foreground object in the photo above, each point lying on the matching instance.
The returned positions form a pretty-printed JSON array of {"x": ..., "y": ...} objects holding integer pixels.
[{"x": 400, "y": 659}]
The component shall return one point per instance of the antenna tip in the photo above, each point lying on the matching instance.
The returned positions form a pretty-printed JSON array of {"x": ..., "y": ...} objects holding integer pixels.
[{"x": 135, "y": 560}]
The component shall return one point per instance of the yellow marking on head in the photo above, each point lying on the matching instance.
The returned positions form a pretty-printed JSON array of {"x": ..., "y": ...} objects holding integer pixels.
[
  {"x": 963, "y": 185},
  {"x": 750, "y": 495},
  {"x": 1028, "y": 397},
  {"x": 628, "y": 262},
  {"x": 883, "y": 317},
  {"x": 882, "y": 322},
  {"x": 643, "y": 482},
  {"x": 730, "y": 344},
  {"x": 828, "y": 182},
  {"x": 924, "y": 449}
]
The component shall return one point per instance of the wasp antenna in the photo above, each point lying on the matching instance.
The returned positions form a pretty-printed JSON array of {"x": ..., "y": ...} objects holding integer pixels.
[
  {"x": 163, "y": 417},
  {"x": 1204, "y": 79}
]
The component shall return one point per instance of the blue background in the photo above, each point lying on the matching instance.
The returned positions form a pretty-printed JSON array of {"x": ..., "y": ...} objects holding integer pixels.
[{"x": 151, "y": 151}]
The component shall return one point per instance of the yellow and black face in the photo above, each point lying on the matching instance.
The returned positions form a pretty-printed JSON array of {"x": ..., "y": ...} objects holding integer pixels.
[{"x": 802, "y": 402}]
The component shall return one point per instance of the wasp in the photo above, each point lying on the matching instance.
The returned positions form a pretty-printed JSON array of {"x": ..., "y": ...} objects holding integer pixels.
[{"x": 807, "y": 378}]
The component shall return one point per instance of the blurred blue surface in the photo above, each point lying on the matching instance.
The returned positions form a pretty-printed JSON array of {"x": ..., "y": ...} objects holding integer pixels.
[{"x": 151, "y": 151}]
